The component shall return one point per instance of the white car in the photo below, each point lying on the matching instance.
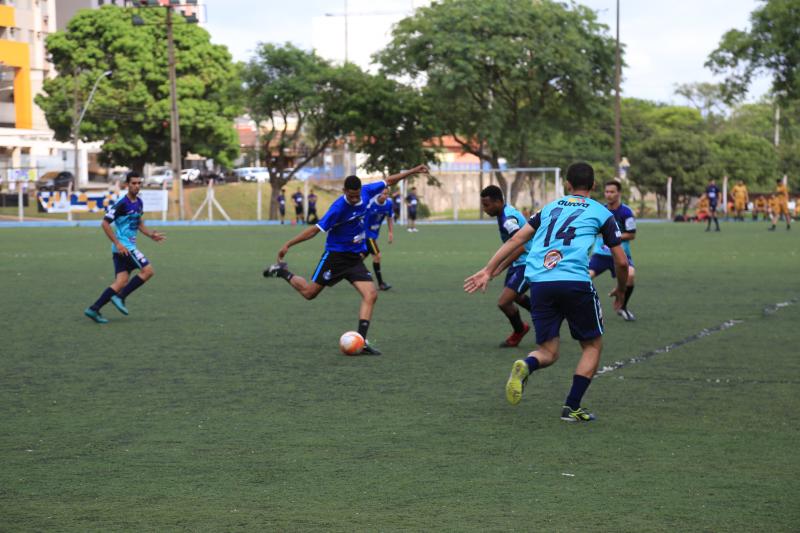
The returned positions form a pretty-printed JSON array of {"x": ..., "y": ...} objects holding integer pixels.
[
  {"x": 160, "y": 176},
  {"x": 190, "y": 175},
  {"x": 252, "y": 173}
]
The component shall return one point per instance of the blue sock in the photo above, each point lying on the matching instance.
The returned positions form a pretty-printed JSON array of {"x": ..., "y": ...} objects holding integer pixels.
[
  {"x": 532, "y": 363},
  {"x": 104, "y": 299},
  {"x": 132, "y": 285},
  {"x": 579, "y": 386}
]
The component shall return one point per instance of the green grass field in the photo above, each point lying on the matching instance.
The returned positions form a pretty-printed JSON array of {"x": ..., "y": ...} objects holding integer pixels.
[{"x": 222, "y": 403}]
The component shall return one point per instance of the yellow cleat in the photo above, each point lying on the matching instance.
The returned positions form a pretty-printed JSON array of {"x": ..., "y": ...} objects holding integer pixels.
[{"x": 516, "y": 382}]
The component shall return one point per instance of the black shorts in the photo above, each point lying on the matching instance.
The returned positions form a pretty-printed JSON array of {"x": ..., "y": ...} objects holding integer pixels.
[
  {"x": 336, "y": 266},
  {"x": 412, "y": 214},
  {"x": 282, "y": 209},
  {"x": 298, "y": 210},
  {"x": 372, "y": 247}
]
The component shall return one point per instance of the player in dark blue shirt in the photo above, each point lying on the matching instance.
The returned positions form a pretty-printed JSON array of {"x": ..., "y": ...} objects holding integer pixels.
[
  {"x": 126, "y": 215},
  {"x": 312, "y": 217},
  {"x": 713, "y": 194},
  {"x": 412, "y": 202},
  {"x": 345, "y": 248},
  {"x": 297, "y": 198},
  {"x": 379, "y": 208},
  {"x": 282, "y": 204},
  {"x": 601, "y": 259}
]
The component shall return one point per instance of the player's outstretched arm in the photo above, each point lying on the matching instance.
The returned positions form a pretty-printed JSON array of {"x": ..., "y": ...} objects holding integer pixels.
[
  {"x": 395, "y": 178},
  {"x": 621, "y": 270},
  {"x": 481, "y": 278},
  {"x": 306, "y": 234},
  {"x": 508, "y": 260},
  {"x": 155, "y": 235},
  {"x": 390, "y": 223}
]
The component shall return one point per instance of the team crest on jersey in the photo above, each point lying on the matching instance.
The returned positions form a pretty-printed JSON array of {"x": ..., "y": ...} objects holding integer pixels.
[
  {"x": 552, "y": 258},
  {"x": 327, "y": 275}
]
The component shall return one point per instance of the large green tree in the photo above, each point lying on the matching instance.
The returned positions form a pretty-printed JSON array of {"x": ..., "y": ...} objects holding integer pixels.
[
  {"x": 771, "y": 45},
  {"x": 130, "y": 112},
  {"x": 306, "y": 105},
  {"x": 502, "y": 76}
]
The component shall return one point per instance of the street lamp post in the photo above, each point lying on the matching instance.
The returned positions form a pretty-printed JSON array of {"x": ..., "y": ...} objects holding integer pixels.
[{"x": 76, "y": 125}]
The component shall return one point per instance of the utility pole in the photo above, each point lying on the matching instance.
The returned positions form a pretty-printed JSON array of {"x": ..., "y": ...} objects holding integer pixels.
[
  {"x": 777, "y": 124},
  {"x": 617, "y": 107},
  {"x": 174, "y": 127},
  {"x": 79, "y": 114}
]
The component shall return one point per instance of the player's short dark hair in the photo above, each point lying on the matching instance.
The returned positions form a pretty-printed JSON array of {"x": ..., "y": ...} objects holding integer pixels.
[
  {"x": 615, "y": 183},
  {"x": 779, "y": 180},
  {"x": 581, "y": 176},
  {"x": 130, "y": 175},
  {"x": 352, "y": 183},
  {"x": 493, "y": 192}
]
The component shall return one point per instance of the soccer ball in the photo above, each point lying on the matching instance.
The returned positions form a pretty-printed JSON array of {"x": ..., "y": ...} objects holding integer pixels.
[{"x": 351, "y": 343}]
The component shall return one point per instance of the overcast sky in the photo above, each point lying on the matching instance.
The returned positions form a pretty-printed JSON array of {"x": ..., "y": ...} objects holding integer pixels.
[{"x": 667, "y": 42}]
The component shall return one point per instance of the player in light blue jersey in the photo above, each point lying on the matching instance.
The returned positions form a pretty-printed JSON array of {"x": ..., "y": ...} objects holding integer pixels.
[
  {"x": 558, "y": 272},
  {"x": 345, "y": 248},
  {"x": 601, "y": 259},
  {"x": 379, "y": 208},
  {"x": 509, "y": 222},
  {"x": 126, "y": 215}
]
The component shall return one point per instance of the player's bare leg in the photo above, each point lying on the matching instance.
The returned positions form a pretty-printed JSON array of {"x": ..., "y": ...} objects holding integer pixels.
[
  {"x": 507, "y": 304},
  {"x": 369, "y": 295},
  {"x": 545, "y": 355},
  {"x": 307, "y": 289}
]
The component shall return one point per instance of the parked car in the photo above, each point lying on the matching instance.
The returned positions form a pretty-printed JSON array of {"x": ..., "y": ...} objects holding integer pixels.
[
  {"x": 160, "y": 176},
  {"x": 190, "y": 175},
  {"x": 252, "y": 173},
  {"x": 55, "y": 181}
]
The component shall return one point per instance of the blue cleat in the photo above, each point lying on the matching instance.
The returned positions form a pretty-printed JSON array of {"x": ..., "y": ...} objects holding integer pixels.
[
  {"x": 119, "y": 303},
  {"x": 95, "y": 315}
]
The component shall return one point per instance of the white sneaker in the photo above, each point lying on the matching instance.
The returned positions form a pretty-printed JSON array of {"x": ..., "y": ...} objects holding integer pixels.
[{"x": 627, "y": 315}]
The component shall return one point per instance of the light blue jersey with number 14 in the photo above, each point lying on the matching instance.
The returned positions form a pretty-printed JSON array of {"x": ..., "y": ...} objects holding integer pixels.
[{"x": 565, "y": 232}]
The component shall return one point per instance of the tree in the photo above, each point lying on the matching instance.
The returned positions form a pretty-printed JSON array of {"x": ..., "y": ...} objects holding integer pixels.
[
  {"x": 131, "y": 110},
  {"x": 772, "y": 45},
  {"x": 682, "y": 156},
  {"x": 742, "y": 156},
  {"x": 498, "y": 75}
]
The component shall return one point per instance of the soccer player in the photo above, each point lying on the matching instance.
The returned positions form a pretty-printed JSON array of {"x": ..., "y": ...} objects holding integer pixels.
[
  {"x": 515, "y": 288},
  {"x": 379, "y": 207},
  {"x": 126, "y": 215},
  {"x": 312, "y": 217},
  {"x": 761, "y": 205},
  {"x": 601, "y": 259},
  {"x": 740, "y": 199},
  {"x": 345, "y": 248},
  {"x": 282, "y": 205},
  {"x": 412, "y": 201},
  {"x": 712, "y": 193},
  {"x": 558, "y": 272},
  {"x": 780, "y": 205},
  {"x": 397, "y": 199},
  {"x": 298, "y": 206}
]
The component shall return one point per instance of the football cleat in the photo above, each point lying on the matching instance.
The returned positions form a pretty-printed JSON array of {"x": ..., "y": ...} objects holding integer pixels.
[
  {"x": 272, "y": 270},
  {"x": 370, "y": 350},
  {"x": 515, "y": 338},
  {"x": 516, "y": 381},
  {"x": 384, "y": 286},
  {"x": 580, "y": 414},
  {"x": 119, "y": 303},
  {"x": 95, "y": 315},
  {"x": 627, "y": 315}
]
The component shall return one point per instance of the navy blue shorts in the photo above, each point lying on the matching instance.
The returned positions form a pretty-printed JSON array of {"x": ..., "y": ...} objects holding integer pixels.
[
  {"x": 599, "y": 263},
  {"x": 515, "y": 279},
  {"x": 412, "y": 213},
  {"x": 129, "y": 263},
  {"x": 577, "y": 301}
]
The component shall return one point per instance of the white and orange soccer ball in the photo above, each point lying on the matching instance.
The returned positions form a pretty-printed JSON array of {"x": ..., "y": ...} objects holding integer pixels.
[{"x": 351, "y": 343}]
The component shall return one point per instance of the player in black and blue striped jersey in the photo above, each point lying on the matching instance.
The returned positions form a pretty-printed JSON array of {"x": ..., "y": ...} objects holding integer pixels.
[
  {"x": 515, "y": 288},
  {"x": 345, "y": 248},
  {"x": 126, "y": 215}
]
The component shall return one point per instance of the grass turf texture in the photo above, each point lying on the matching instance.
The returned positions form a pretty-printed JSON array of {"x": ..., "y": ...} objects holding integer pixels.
[{"x": 222, "y": 402}]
